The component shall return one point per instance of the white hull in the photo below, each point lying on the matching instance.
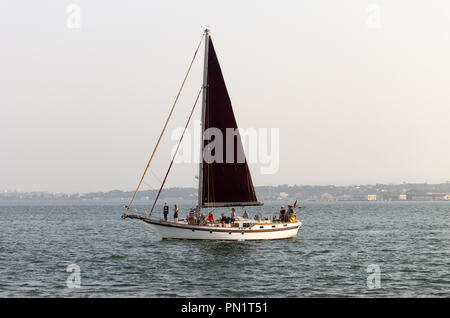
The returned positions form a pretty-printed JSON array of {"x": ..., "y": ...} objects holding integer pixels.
[{"x": 266, "y": 231}]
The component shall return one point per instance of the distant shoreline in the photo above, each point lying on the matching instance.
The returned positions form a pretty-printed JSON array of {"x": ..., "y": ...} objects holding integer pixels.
[{"x": 304, "y": 193}]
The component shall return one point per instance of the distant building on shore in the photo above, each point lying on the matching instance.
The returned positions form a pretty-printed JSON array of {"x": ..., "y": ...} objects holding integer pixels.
[{"x": 427, "y": 196}]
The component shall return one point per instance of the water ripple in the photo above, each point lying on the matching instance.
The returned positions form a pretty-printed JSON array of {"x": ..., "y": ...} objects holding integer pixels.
[{"x": 329, "y": 258}]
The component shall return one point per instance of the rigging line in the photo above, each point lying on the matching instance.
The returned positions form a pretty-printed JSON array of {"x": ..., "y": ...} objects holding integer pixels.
[
  {"x": 148, "y": 185},
  {"x": 164, "y": 128},
  {"x": 156, "y": 177},
  {"x": 176, "y": 151}
]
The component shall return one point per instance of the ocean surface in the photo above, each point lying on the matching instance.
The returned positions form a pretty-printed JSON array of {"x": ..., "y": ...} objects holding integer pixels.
[{"x": 351, "y": 249}]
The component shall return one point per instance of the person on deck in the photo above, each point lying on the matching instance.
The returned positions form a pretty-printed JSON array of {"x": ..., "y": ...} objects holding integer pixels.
[
  {"x": 175, "y": 214},
  {"x": 245, "y": 216},
  {"x": 283, "y": 214},
  {"x": 191, "y": 219},
  {"x": 166, "y": 211},
  {"x": 233, "y": 215},
  {"x": 290, "y": 212},
  {"x": 223, "y": 219},
  {"x": 210, "y": 218},
  {"x": 200, "y": 218},
  {"x": 196, "y": 214}
]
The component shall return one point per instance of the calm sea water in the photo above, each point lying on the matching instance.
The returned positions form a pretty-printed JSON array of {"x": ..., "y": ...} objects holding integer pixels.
[{"x": 408, "y": 242}]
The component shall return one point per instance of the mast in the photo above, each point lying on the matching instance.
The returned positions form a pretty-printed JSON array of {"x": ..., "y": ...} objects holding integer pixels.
[{"x": 202, "y": 124}]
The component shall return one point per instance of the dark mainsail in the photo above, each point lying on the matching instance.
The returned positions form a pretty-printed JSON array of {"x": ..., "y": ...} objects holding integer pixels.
[{"x": 225, "y": 182}]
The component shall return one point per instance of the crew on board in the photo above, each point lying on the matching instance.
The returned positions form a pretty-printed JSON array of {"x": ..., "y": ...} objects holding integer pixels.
[{"x": 196, "y": 217}]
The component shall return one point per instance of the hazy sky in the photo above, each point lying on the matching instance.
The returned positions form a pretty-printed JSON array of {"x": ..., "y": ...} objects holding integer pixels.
[{"x": 360, "y": 90}]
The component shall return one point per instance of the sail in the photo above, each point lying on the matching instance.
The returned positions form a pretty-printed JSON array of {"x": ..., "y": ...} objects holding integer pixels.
[{"x": 226, "y": 179}]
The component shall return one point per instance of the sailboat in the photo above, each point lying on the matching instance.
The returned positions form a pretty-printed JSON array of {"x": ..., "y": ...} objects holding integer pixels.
[{"x": 221, "y": 183}]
